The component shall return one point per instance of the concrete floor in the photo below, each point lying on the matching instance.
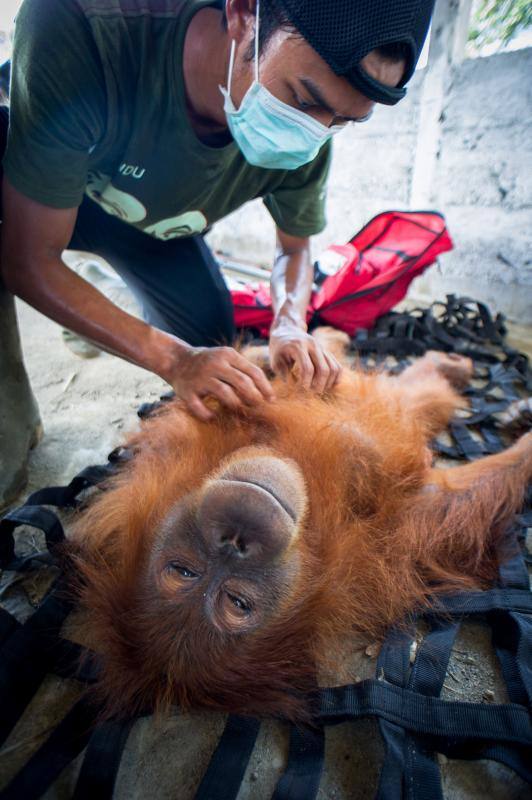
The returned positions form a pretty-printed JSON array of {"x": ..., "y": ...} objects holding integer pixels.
[{"x": 86, "y": 407}]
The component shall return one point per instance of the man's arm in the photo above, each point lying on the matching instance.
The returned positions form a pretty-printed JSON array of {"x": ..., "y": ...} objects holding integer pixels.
[
  {"x": 33, "y": 239},
  {"x": 291, "y": 347}
]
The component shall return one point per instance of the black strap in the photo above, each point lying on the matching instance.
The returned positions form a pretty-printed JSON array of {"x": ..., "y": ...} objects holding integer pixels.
[
  {"x": 36, "y": 516},
  {"x": 8, "y": 624},
  {"x": 516, "y": 756},
  {"x": 32, "y": 513},
  {"x": 65, "y": 496},
  {"x": 427, "y": 716},
  {"x": 460, "y": 325},
  {"x": 512, "y": 639},
  {"x": 492, "y": 441},
  {"x": 230, "y": 759},
  {"x": 469, "y": 447},
  {"x": 73, "y": 661},
  {"x": 483, "y": 601},
  {"x": 28, "y": 654},
  {"x": 63, "y": 746},
  {"x": 422, "y": 775},
  {"x": 408, "y": 761},
  {"x": 513, "y": 574},
  {"x": 512, "y": 630},
  {"x": 100, "y": 766},
  {"x": 301, "y": 778},
  {"x": 148, "y": 409}
]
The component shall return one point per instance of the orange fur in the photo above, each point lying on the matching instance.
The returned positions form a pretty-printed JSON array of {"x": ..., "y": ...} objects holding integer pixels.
[{"x": 383, "y": 535}]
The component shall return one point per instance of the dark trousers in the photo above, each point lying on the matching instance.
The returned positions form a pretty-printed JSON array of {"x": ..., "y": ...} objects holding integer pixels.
[{"x": 177, "y": 282}]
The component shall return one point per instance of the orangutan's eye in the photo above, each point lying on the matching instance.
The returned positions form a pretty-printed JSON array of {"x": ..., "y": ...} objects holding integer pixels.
[
  {"x": 242, "y": 605},
  {"x": 185, "y": 572}
]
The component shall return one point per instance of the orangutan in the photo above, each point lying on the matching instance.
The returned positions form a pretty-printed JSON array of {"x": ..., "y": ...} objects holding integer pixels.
[{"x": 226, "y": 560}]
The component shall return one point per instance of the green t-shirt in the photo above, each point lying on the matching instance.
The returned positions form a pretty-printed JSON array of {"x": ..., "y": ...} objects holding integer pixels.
[{"x": 98, "y": 107}]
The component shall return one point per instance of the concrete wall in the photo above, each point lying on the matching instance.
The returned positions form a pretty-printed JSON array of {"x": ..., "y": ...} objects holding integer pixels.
[{"x": 483, "y": 184}]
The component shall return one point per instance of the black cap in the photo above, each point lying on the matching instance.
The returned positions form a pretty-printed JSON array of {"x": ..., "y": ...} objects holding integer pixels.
[{"x": 344, "y": 31}]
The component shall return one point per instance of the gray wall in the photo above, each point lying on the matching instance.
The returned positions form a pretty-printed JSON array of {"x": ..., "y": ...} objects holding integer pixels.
[{"x": 483, "y": 184}]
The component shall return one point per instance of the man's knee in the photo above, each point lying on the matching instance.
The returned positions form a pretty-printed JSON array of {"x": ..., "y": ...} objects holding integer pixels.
[
  {"x": 211, "y": 327},
  {"x": 222, "y": 334}
]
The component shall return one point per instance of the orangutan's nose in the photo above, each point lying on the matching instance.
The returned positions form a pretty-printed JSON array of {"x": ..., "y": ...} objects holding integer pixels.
[{"x": 252, "y": 508}]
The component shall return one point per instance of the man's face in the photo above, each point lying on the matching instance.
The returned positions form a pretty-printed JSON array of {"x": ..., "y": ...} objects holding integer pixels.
[{"x": 294, "y": 72}]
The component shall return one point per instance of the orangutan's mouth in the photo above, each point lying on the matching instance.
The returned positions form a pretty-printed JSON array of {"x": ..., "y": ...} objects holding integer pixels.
[{"x": 287, "y": 509}]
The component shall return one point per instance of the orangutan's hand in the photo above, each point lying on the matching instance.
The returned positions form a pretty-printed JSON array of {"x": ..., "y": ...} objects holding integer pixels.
[{"x": 293, "y": 351}]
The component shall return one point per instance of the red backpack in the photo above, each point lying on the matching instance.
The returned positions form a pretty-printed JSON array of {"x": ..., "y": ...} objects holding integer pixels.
[{"x": 371, "y": 273}]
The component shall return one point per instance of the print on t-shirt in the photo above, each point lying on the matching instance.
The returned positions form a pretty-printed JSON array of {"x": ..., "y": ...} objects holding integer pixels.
[
  {"x": 129, "y": 209},
  {"x": 187, "y": 224}
]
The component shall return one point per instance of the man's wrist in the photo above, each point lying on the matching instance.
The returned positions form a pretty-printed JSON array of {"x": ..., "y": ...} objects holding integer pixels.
[
  {"x": 165, "y": 353},
  {"x": 287, "y": 319}
]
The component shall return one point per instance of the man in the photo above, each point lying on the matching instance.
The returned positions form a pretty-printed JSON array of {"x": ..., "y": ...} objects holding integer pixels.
[{"x": 136, "y": 124}]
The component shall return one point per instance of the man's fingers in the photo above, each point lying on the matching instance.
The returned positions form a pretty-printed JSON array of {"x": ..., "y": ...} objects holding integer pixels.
[
  {"x": 335, "y": 370},
  {"x": 303, "y": 368},
  {"x": 244, "y": 387},
  {"x": 224, "y": 393},
  {"x": 243, "y": 381},
  {"x": 331, "y": 373},
  {"x": 313, "y": 368},
  {"x": 279, "y": 364},
  {"x": 321, "y": 370},
  {"x": 223, "y": 373},
  {"x": 198, "y": 409},
  {"x": 254, "y": 373}
]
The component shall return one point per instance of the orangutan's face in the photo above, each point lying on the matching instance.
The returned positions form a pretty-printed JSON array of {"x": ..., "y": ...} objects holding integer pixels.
[{"x": 228, "y": 548}]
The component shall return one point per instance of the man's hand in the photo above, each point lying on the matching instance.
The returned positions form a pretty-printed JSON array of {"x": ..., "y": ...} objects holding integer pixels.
[
  {"x": 219, "y": 372},
  {"x": 294, "y": 351}
]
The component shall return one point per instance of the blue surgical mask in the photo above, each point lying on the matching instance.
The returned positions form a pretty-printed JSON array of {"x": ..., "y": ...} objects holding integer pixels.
[{"x": 270, "y": 133}]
